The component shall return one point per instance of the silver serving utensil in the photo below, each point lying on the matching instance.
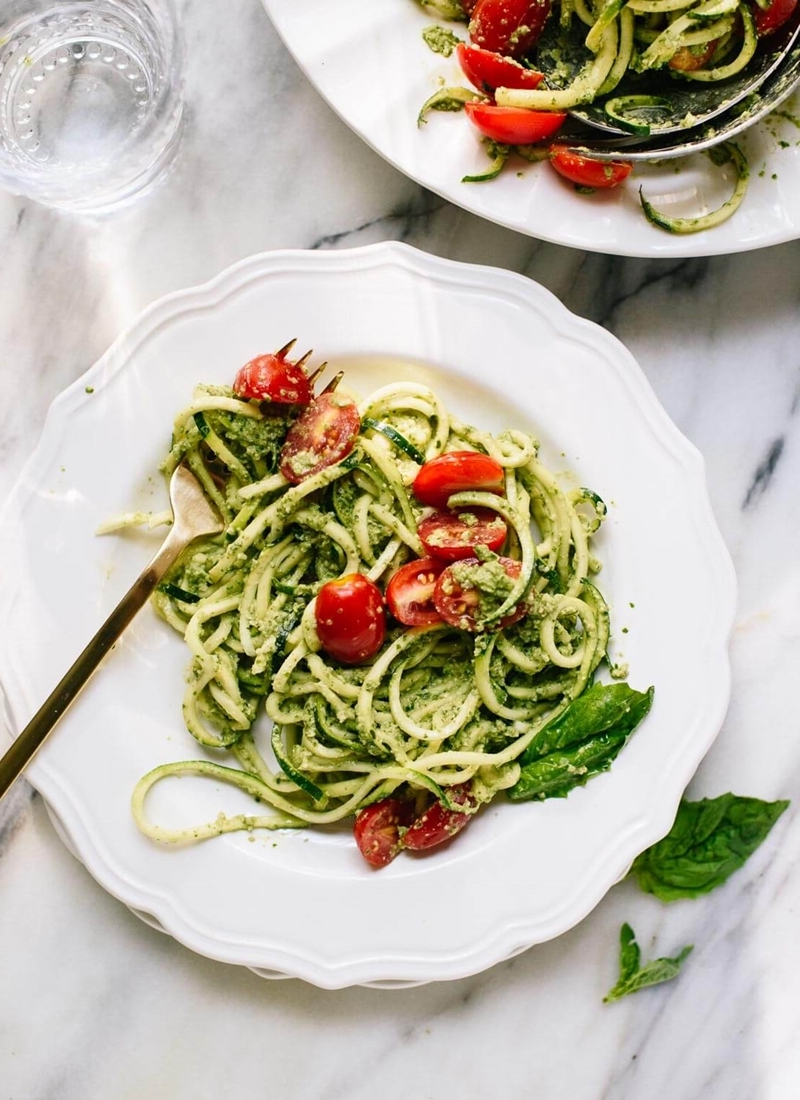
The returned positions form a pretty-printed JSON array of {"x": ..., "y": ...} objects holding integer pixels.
[
  {"x": 686, "y": 99},
  {"x": 728, "y": 126},
  {"x": 194, "y": 517}
]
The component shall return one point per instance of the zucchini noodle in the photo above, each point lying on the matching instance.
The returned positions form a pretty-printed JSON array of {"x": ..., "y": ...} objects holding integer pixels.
[
  {"x": 696, "y": 40},
  {"x": 437, "y": 705}
]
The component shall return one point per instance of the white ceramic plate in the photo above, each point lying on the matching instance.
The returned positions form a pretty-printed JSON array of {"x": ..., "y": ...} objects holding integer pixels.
[
  {"x": 369, "y": 61},
  {"x": 502, "y": 351}
]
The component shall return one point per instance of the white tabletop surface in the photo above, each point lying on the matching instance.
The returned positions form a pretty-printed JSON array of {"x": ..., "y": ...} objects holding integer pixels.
[{"x": 93, "y": 1003}]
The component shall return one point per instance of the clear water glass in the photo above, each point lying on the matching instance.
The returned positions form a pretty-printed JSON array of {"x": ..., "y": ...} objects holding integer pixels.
[{"x": 90, "y": 99}]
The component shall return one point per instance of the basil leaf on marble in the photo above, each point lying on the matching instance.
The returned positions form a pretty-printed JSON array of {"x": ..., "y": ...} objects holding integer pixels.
[
  {"x": 633, "y": 976},
  {"x": 584, "y": 740},
  {"x": 710, "y": 840},
  {"x": 629, "y": 954}
]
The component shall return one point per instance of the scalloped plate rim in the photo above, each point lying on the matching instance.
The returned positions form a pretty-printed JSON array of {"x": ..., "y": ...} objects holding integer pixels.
[{"x": 513, "y": 936}]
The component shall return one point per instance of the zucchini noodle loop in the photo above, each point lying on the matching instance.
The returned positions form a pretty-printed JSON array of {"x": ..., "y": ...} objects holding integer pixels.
[
  {"x": 696, "y": 40},
  {"x": 437, "y": 705}
]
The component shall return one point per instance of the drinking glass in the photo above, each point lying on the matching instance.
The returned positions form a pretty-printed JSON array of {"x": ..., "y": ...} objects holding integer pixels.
[{"x": 90, "y": 99}]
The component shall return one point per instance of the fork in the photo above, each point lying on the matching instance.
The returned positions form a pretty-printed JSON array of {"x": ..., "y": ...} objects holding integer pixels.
[{"x": 193, "y": 517}]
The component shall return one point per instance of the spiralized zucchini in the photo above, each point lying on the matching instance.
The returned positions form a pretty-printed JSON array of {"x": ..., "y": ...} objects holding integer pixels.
[
  {"x": 696, "y": 39},
  {"x": 436, "y": 706}
]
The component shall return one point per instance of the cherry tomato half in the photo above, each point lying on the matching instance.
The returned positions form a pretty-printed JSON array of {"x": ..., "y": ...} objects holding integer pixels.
[
  {"x": 324, "y": 433},
  {"x": 350, "y": 618},
  {"x": 771, "y": 18},
  {"x": 514, "y": 125},
  {"x": 586, "y": 171},
  {"x": 273, "y": 378},
  {"x": 455, "y": 472},
  {"x": 438, "y": 823},
  {"x": 508, "y": 26},
  {"x": 377, "y": 829},
  {"x": 463, "y": 605},
  {"x": 689, "y": 58},
  {"x": 451, "y": 536},
  {"x": 488, "y": 70},
  {"x": 409, "y": 594}
]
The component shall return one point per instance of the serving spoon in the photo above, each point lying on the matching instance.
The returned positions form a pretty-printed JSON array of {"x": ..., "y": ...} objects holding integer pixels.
[
  {"x": 744, "y": 115},
  {"x": 193, "y": 518},
  {"x": 561, "y": 56}
]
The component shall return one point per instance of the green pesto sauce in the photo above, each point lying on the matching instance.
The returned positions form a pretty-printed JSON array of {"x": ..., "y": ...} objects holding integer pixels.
[
  {"x": 440, "y": 40},
  {"x": 489, "y": 578},
  {"x": 254, "y": 440}
]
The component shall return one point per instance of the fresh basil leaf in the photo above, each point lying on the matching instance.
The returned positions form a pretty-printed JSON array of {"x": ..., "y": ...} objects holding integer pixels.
[
  {"x": 633, "y": 976},
  {"x": 583, "y": 741},
  {"x": 629, "y": 953},
  {"x": 710, "y": 840},
  {"x": 602, "y": 707},
  {"x": 554, "y": 776}
]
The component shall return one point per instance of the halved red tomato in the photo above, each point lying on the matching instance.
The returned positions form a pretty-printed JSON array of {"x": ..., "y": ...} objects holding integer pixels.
[
  {"x": 323, "y": 434},
  {"x": 350, "y": 618},
  {"x": 587, "y": 171},
  {"x": 377, "y": 829},
  {"x": 770, "y": 19},
  {"x": 409, "y": 594},
  {"x": 273, "y": 378},
  {"x": 508, "y": 26},
  {"x": 438, "y": 824},
  {"x": 456, "y": 472},
  {"x": 468, "y": 591},
  {"x": 488, "y": 70},
  {"x": 689, "y": 58},
  {"x": 514, "y": 125},
  {"x": 451, "y": 536}
]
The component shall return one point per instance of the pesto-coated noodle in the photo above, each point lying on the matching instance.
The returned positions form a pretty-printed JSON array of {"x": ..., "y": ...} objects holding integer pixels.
[{"x": 437, "y": 706}]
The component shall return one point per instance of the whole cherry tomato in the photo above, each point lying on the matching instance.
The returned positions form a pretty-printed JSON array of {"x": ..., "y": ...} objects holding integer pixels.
[
  {"x": 409, "y": 593},
  {"x": 514, "y": 125},
  {"x": 350, "y": 618},
  {"x": 451, "y": 536},
  {"x": 587, "y": 171},
  {"x": 508, "y": 26},
  {"x": 455, "y": 472},
  {"x": 488, "y": 70},
  {"x": 273, "y": 378},
  {"x": 323, "y": 434}
]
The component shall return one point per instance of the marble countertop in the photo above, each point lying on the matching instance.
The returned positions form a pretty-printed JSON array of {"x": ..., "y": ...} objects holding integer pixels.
[{"x": 93, "y": 1003}]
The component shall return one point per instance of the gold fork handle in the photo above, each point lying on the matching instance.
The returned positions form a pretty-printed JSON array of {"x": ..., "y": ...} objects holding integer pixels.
[{"x": 23, "y": 749}]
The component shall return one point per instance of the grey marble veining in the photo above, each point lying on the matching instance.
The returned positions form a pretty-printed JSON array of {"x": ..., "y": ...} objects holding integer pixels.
[{"x": 94, "y": 1004}]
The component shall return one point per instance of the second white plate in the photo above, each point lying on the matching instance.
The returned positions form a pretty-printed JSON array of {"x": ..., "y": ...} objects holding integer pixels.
[{"x": 369, "y": 61}]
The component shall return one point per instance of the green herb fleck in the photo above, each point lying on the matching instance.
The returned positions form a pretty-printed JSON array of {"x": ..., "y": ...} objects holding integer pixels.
[{"x": 89, "y": 389}]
